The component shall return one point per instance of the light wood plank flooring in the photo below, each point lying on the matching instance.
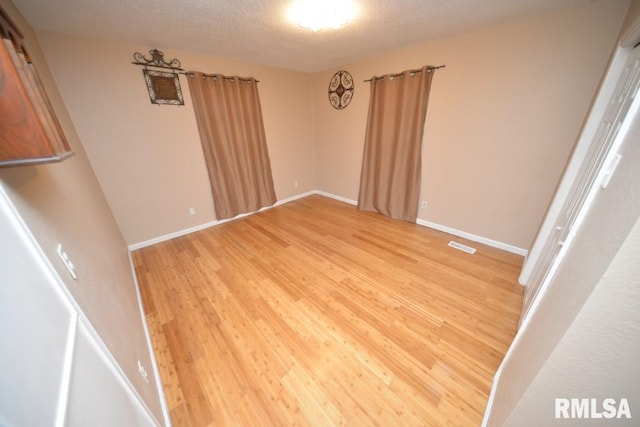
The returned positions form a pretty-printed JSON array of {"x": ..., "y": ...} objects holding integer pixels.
[{"x": 316, "y": 314}]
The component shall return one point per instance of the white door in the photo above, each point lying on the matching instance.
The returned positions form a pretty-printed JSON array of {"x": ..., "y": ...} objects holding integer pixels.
[{"x": 573, "y": 195}]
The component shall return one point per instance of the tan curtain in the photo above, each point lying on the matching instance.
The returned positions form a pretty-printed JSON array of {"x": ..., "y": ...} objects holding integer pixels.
[
  {"x": 391, "y": 165},
  {"x": 229, "y": 119}
]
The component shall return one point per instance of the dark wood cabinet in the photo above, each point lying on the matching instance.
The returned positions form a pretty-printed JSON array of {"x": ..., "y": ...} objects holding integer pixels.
[{"x": 29, "y": 130}]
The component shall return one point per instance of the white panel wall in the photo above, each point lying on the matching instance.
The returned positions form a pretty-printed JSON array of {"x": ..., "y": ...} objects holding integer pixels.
[
  {"x": 98, "y": 396},
  {"x": 54, "y": 369},
  {"x": 35, "y": 319}
]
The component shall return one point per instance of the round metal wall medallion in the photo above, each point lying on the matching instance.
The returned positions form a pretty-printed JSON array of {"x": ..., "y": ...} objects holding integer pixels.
[{"x": 340, "y": 90}]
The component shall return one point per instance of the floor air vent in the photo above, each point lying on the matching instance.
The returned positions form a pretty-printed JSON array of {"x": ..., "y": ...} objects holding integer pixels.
[{"x": 461, "y": 247}]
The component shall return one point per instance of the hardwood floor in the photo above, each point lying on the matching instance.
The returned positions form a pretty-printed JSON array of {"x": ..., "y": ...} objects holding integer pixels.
[{"x": 316, "y": 314}]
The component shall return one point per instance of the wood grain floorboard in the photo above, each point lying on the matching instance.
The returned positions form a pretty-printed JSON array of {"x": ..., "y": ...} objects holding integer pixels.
[{"x": 316, "y": 314}]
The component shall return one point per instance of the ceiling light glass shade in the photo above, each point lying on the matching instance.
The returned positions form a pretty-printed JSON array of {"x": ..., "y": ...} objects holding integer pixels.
[{"x": 318, "y": 14}]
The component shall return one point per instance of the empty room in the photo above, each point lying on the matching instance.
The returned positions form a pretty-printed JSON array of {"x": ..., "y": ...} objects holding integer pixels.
[{"x": 319, "y": 213}]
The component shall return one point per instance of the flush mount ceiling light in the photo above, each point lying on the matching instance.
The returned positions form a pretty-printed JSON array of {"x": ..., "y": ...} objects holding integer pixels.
[{"x": 318, "y": 14}]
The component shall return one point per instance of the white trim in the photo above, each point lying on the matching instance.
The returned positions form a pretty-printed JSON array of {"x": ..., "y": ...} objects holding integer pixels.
[
  {"x": 584, "y": 210},
  {"x": 106, "y": 357},
  {"x": 68, "y": 299},
  {"x": 595, "y": 116},
  {"x": 611, "y": 79},
  {"x": 632, "y": 35},
  {"x": 484, "y": 240},
  {"x": 340, "y": 198},
  {"x": 473, "y": 237},
  {"x": 67, "y": 368},
  {"x": 152, "y": 356},
  {"x": 290, "y": 199},
  {"x": 179, "y": 233},
  {"x": 52, "y": 277},
  {"x": 169, "y": 236},
  {"x": 449, "y": 230}
]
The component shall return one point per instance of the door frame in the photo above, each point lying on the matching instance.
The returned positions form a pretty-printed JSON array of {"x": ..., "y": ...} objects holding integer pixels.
[
  {"x": 535, "y": 275},
  {"x": 626, "y": 43}
]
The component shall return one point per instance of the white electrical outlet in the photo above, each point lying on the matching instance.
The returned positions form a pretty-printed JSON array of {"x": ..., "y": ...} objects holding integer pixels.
[
  {"x": 295, "y": 184},
  {"x": 66, "y": 261},
  {"x": 192, "y": 211},
  {"x": 423, "y": 205}
]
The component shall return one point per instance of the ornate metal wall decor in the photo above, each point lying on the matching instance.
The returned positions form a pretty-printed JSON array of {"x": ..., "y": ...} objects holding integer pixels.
[
  {"x": 340, "y": 89},
  {"x": 163, "y": 86}
]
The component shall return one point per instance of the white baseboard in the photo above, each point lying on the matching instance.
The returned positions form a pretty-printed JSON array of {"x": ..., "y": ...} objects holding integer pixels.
[
  {"x": 484, "y": 240},
  {"x": 292, "y": 198},
  {"x": 340, "y": 198},
  {"x": 164, "y": 406},
  {"x": 473, "y": 237},
  {"x": 165, "y": 237}
]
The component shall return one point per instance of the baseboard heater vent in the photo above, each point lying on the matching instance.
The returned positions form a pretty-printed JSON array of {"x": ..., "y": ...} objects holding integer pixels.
[{"x": 461, "y": 247}]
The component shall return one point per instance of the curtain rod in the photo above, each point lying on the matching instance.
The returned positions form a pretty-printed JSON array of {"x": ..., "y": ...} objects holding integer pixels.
[
  {"x": 411, "y": 71},
  {"x": 242, "y": 79}
]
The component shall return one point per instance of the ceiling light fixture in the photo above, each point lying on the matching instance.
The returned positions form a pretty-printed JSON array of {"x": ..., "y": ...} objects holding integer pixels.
[{"x": 318, "y": 14}]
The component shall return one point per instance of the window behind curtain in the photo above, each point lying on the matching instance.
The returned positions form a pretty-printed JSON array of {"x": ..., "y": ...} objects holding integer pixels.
[
  {"x": 231, "y": 129},
  {"x": 391, "y": 165}
]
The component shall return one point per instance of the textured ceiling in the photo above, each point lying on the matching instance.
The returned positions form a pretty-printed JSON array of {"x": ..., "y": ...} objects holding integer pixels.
[{"x": 259, "y": 31}]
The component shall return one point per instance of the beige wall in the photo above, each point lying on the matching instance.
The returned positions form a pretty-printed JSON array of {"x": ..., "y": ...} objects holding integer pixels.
[
  {"x": 63, "y": 203},
  {"x": 503, "y": 117},
  {"x": 148, "y": 158}
]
